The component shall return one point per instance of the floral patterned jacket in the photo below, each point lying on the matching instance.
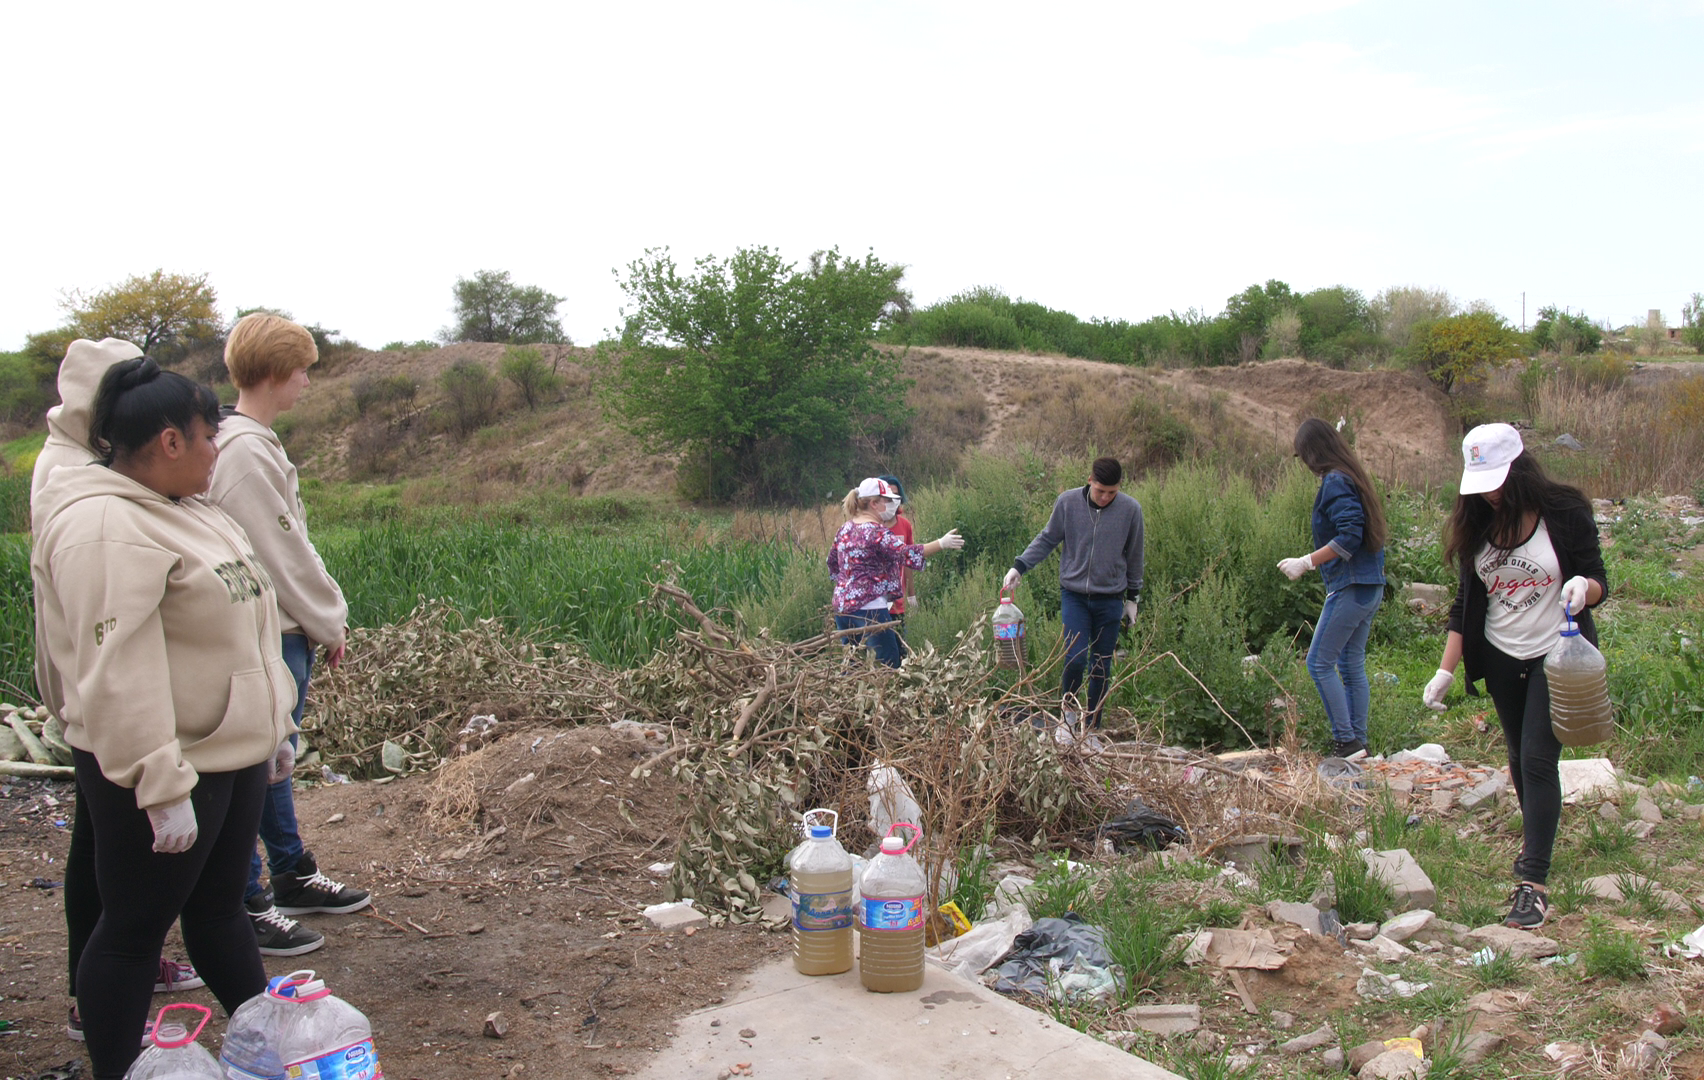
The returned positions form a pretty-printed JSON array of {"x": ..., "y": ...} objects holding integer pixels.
[{"x": 866, "y": 560}]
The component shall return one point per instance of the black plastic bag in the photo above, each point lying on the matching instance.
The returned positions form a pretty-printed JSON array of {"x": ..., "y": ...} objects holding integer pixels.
[{"x": 1142, "y": 827}]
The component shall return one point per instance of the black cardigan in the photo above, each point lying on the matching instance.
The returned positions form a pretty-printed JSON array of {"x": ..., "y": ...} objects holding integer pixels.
[{"x": 1574, "y": 534}]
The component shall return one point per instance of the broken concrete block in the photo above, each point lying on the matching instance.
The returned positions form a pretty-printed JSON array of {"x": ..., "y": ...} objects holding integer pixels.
[
  {"x": 1610, "y": 887},
  {"x": 1646, "y": 810},
  {"x": 1305, "y": 916},
  {"x": 1257, "y": 849},
  {"x": 1164, "y": 1019},
  {"x": 1313, "y": 1040},
  {"x": 1639, "y": 830},
  {"x": 1393, "y": 1065},
  {"x": 1443, "y": 801},
  {"x": 1407, "y": 924},
  {"x": 1282, "y": 1020},
  {"x": 1479, "y": 1046},
  {"x": 1692, "y": 811},
  {"x": 1587, "y": 778},
  {"x": 676, "y": 916},
  {"x": 1409, "y": 885},
  {"x": 1334, "y": 1059},
  {"x": 1400, "y": 787},
  {"x": 1520, "y": 944},
  {"x": 1362, "y": 931},
  {"x": 1375, "y": 985},
  {"x": 1386, "y": 950},
  {"x": 1485, "y": 790},
  {"x": 1365, "y": 1052}
]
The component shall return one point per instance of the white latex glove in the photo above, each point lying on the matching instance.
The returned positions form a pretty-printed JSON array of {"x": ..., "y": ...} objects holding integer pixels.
[
  {"x": 1296, "y": 569},
  {"x": 1130, "y": 607},
  {"x": 1010, "y": 581},
  {"x": 1435, "y": 690},
  {"x": 1574, "y": 592},
  {"x": 911, "y": 603},
  {"x": 174, "y": 827},
  {"x": 952, "y": 541},
  {"x": 283, "y": 763}
]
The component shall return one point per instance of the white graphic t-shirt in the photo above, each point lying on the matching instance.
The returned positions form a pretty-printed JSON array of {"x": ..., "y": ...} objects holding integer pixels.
[{"x": 1524, "y": 587}]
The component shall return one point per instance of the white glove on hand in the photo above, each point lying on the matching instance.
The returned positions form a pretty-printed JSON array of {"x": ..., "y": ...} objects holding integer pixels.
[
  {"x": 911, "y": 603},
  {"x": 174, "y": 827},
  {"x": 952, "y": 541},
  {"x": 1435, "y": 690},
  {"x": 283, "y": 763},
  {"x": 1574, "y": 592},
  {"x": 1296, "y": 569},
  {"x": 1130, "y": 607},
  {"x": 1010, "y": 581}
]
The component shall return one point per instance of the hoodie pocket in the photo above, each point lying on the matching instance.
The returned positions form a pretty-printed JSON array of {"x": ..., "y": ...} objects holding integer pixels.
[{"x": 256, "y": 718}]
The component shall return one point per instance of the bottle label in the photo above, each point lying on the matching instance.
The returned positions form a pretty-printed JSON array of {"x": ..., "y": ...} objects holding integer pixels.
[
  {"x": 357, "y": 1062},
  {"x": 1011, "y": 631},
  {"x": 885, "y": 913},
  {"x": 234, "y": 1071},
  {"x": 823, "y": 911}
]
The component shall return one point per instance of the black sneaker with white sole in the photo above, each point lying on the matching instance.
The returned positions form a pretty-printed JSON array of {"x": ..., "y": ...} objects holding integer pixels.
[
  {"x": 305, "y": 890},
  {"x": 1348, "y": 749},
  {"x": 278, "y": 934},
  {"x": 1529, "y": 906}
]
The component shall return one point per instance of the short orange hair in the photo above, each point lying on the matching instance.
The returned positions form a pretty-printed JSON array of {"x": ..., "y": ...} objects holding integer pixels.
[{"x": 265, "y": 348}]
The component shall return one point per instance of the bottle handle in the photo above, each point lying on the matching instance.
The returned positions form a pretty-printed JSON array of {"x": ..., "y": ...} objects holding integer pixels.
[
  {"x": 835, "y": 814},
  {"x": 916, "y": 835},
  {"x": 160, "y": 1025},
  {"x": 1007, "y": 595}
]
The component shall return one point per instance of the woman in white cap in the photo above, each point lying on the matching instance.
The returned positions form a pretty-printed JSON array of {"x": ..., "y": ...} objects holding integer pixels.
[
  {"x": 1526, "y": 548},
  {"x": 866, "y": 560}
]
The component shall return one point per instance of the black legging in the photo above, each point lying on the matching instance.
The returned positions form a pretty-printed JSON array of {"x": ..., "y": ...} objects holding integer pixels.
[
  {"x": 82, "y": 895},
  {"x": 203, "y": 886},
  {"x": 1521, "y": 695}
]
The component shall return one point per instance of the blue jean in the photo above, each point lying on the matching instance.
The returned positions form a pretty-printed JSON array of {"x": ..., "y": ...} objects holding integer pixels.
[
  {"x": 1091, "y": 635},
  {"x": 278, "y": 813},
  {"x": 884, "y": 643},
  {"x": 1337, "y": 659}
]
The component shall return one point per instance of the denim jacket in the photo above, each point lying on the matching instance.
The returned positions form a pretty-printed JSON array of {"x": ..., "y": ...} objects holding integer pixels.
[{"x": 1338, "y": 518}]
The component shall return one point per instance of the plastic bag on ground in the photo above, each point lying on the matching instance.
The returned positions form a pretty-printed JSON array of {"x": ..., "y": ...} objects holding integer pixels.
[
  {"x": 983, "y": 945},
  {"x": 1141, "y": 828},
  {"x": 1059, "y": 958},
  {"x": 891, "y": 800}
]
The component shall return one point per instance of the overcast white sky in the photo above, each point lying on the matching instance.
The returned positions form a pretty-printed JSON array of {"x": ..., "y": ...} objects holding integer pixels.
[{"x": 348, "y": 161}]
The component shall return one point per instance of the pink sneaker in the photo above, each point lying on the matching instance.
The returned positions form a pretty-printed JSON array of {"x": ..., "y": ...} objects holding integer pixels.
[
  {"x": 74, "y": 1028},
  {"x": 175, "y": 976}
]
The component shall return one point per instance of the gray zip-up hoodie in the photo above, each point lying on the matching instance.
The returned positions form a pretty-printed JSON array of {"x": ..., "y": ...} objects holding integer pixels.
[{"x": 1103, "y": 546}]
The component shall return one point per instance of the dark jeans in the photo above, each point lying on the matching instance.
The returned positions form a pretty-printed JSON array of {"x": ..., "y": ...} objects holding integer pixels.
[
  {"x": 278, "y": 814},
  {"x": 884, "y": 643},
  {"x": 1091, "y": 634},
  {"x": 1337, "y": 659},
  {"x": 1522, "y": 698},
  {"x": 202, "y": 886}
]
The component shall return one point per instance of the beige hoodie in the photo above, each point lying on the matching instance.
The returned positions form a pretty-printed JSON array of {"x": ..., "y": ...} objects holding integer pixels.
[
  {"x": 68, "y": 422},
  {"x": 255, "y": 483},
  {"x": 162, "y": 649}
]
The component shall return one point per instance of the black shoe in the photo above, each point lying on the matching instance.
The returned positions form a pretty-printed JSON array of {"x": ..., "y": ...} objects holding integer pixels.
[
  {"x": 278, "y": 935},
  {"x": 1529, "y": 907},
  {"x": 1348, "y": 749},
  {"x": 305, "y": 889}
]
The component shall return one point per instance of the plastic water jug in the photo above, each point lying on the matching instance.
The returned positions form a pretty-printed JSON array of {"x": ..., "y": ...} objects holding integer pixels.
[
  {"x": 175, "y": 1055},
  {"x": 323, "y": 1037},
  {"x": 820, "y": 879},
  {"x": 1579, "y": 691},
  {"x": 250, "y": 1049},
  {"x": 891, "y": 918},
  {"x": 1009, "y": 649}
]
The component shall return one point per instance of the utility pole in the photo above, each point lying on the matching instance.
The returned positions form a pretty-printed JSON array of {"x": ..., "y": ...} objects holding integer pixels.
[{"x": 1523, "y": 311}]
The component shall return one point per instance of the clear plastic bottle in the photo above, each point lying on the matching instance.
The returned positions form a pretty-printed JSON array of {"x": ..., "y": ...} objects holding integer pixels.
[
  {"x": 250, "y": 1049},
  {"x": 820, "y": 880},
  {"x": 1579, "y": 691},
  {"x": 175, "y": 1055},
  {"x": 323, "y": 1037},
  {"x": 1009, "y": 650},
  {"x": 890, "y": 926}
]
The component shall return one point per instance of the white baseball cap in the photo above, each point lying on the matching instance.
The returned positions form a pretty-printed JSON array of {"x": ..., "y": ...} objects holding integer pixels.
[
  {"x": 872, "y": 486},
  {"x": 1486, "y": 453}
]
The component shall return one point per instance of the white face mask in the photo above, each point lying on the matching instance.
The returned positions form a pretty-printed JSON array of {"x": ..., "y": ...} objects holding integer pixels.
[{"x": 889, "y": 510}]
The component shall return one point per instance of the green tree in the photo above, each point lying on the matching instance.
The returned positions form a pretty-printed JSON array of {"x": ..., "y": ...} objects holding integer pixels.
[
  {"x": 162, "y": 314},
  {"x": 471, "y": 394},
  {"x": 525, "y": 367},
  {"x": 491, "y": 307},
  {"x": 1396, "y": 311},
  {"x": 1248, "y": 314},
  {"x": 1565, "y": 332},
  {"x": 1461, "y": 350},
  {"x": 1692, "y": 321},
  {"x": 26, "y": 386},
  {"x": 761, "y": 372},
  {"x": 1337, "y": 324}
]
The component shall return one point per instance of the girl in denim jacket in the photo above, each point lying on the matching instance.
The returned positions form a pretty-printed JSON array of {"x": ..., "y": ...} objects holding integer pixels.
[{"x": 1349, "y": 540}]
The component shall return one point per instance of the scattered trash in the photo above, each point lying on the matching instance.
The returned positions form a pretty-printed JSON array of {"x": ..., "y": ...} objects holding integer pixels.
[
  {"x": 44, "y": 883},
  {"x": 1246, "y": 949},
  {"x": 1061, "y": 959},
  {"x": 1485, "y": 956},
  {"x": 1375, "y": 985},
  {"x": 330, "y": 777},
  {"x": 1559, "y": 961},
  {"x": 1341, "y": 773},
  {"x": 1385, "y": 678},
  {"x": 1690, "y": 947},
  {"x": 891, "y": 800},
  {"x": 984, "y": 945},
  {"x": 1587, "y": 778},
  {"x": 1142, "y": 827},
  {"x": 1430, "y": 753},
  {"x": 479, "y": 725}
]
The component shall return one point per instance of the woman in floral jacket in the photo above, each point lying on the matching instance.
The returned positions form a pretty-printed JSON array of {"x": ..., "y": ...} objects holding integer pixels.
[{"x": 866, "y": 561}]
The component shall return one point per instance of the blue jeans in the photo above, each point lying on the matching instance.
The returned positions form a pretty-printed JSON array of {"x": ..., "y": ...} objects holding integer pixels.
[
  {"x": 1091, "y": 634},
  {"x": 1337, "y": 659},
  {"x": 278, "y": 812},
  {"x": 884, "y": 643}
]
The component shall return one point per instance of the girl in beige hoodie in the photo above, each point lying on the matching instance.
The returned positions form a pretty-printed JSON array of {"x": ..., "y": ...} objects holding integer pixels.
[{"x": 161, "y": 656}]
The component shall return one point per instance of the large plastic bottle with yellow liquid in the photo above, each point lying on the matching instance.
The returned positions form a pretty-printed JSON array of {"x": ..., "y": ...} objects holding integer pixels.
[
  {"x": 820, "y": 879},
  {"x": 891, "y": 916}
]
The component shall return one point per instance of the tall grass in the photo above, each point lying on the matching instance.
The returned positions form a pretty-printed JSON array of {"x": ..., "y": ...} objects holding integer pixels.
[{"x": 17, "y": 621}]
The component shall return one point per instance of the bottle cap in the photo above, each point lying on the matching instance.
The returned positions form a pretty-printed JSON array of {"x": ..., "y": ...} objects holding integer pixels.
[
  {"x": 821, "y": 832},
  {"x": 1571, "y": 631},
  {"x": 893, "y": 845}
]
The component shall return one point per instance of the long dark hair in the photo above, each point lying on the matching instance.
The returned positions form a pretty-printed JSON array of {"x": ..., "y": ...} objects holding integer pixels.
[
  {"x": 137, "y": 400},
  {"x": 1323, "y": 450},
  {"x": 1527, "y": 489}
]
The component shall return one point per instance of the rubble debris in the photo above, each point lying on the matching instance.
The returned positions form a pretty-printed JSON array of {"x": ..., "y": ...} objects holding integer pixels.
[{"x": 1410, "y": 887}]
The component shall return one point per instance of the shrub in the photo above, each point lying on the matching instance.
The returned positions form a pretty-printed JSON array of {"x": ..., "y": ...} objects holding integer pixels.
[
  {"x": 1398, "y": 311},
  {"x": 372, "y": 391},
  {"x": 422, "y": 345},
  {"x": 1283, "y": 335},
  {"x": 1692, "y": 319},
  {"x": 1565, "y": 332},
  {"x": 1611, "y": 953},
  {"x": 26, "y": 386},
  {"x": 470, "y": 393},
  {"x": 525, "y": 367},
  {"x": 1462, "y": 350}
]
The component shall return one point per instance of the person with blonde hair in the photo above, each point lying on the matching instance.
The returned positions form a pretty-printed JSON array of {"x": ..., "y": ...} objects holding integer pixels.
[
  {"x": 268, "y": 357},
  {"x": 866, "y": 561}
]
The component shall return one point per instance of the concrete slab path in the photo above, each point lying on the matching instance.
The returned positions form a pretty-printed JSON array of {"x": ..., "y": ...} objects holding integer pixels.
[{"x": 830, "y": 1028}]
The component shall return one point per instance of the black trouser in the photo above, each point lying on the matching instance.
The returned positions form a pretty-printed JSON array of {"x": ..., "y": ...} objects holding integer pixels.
[
  {"x": 82, "y": 895},
  {"x": 149, "y": 891},
  {"x": 1521, "y": 695}
]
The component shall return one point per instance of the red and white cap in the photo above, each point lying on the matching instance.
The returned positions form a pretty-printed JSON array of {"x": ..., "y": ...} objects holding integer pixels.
[
  {"x": 874, "y": 486},
  {"x": 1486, "y": 453}
]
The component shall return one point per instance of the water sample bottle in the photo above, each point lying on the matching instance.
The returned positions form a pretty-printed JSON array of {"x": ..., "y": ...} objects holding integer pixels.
[
  {"x": 320, "y": 1035},
  {"x": 1009, "y": 650},
  {"x": 891, "y": 924},
  {"x": 1579, "y": 691},
  {"x": 820, "y": 879},
  {"x": 250, "y": 1049},
  {"x": 174, "y": 1053}
]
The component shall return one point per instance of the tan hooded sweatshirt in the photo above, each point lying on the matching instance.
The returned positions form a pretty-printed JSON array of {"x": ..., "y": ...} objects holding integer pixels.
[
  {"x": 255, "y": 483},
  {"x": 162, "y": 649},
  {"x": 68, "y": 422}
]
